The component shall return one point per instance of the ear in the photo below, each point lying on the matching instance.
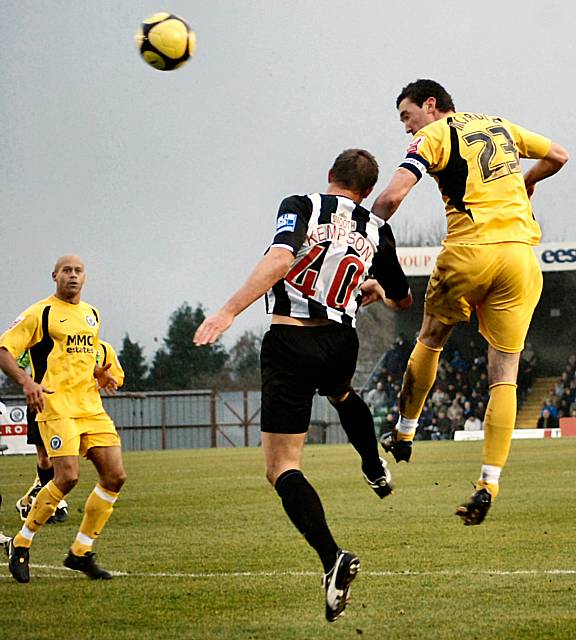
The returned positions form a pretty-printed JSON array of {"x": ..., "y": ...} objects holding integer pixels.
[
  {"x": 430, "y": 103},
  {"x": 330, "y": 176},
  {"x": 54, "y": 276}
]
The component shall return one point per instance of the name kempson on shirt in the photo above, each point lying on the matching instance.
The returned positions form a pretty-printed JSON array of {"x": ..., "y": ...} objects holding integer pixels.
[{"x": 342, "y": 231}]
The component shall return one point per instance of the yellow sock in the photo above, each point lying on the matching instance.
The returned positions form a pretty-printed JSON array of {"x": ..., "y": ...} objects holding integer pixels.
[
  {"x": 43, "y": 507},
  {"x": 97, "y": 510},
  {"x": 499, "y": 424},
  {"x": 418, "y": 380}
]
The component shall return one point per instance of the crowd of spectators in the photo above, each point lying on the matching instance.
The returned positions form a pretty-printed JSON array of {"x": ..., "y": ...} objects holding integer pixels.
[
  {"x": 459, "y": 397},
  {"x": 561, "y": 402}
]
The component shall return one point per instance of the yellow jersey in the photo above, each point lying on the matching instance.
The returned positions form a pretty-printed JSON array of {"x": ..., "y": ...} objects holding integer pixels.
[
  {"x": 475, "y": 160},
  {"x": 107, "y": 355},
  {"x": 62, "y": 339}
]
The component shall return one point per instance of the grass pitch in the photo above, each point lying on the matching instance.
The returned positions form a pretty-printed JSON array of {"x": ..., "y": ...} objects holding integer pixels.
[{"x": 206, "y": 551}]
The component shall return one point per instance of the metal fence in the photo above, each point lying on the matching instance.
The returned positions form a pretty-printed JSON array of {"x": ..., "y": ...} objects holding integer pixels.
[{"x": 201, "y": 419}]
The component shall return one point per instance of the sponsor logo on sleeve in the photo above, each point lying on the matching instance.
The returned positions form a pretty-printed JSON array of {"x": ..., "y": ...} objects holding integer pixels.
[
  {"x": 91, "y": 320},
  {"x": 286, "y": 222},
  {"x": 15, "y": 323},
  {"x": 415, "y": 145}
]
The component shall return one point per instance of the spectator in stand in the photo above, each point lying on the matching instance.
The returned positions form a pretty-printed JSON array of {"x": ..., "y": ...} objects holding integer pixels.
[
  {"x": 480, "y": 410},
  {"x": 378, "y": 400},
  {"x": 472, "y": 423},
  {"x": 526, "y": 368},
  {"x": 551, "y": 407},
  {"x": 424, "y": 430},
  {"x": 455, "y": 414},
  {"x": 561, "y": 384},
  {"x": 474, "y": 351},
  {"x": 571, "y": 365},
  {"x": 458, "y": 363},
  {"x": 467, "y": 409},
  {"x": 565, "y": 402},
  {"x": 482, "y": 385},
  {"x": 445, "y": 426},
  {"x": 431, "y": 431},
  {"x": 396, "y": 358},
  {"x": 547, "y": 420},
  {"x": 389, "y": 422},
  {"x": 439, "y": 397}
]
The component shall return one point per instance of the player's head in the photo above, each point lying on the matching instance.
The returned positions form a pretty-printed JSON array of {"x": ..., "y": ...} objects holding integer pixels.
[
  {"x": 355, "y": 170},
  {"x": 69, "y": 276},
  {"x": 422, "y": 102}
]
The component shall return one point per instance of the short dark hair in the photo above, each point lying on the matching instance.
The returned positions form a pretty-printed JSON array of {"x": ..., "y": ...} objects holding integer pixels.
[
  {"x": 355, "y": 169},
  {"x": 421, "y": 90}
]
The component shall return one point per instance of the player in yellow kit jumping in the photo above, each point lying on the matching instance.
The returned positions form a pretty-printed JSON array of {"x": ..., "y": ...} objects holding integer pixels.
[{"x": 486, "y": 265}]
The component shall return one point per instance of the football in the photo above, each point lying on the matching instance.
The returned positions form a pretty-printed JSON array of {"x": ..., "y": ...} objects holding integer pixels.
[{"x": 165, "y": 41}]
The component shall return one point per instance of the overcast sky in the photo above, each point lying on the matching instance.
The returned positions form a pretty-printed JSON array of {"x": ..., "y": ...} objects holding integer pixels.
[{"x": 167, "y": 184}]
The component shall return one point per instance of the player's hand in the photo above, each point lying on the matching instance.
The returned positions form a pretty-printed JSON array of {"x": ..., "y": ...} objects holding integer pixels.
[
  {"x": 213, "y": 327},
  {"x": 371, "y": 291},
  {"x": 105, "y": 379},
  {"x": 399, "y": 305},
  {"x": 34, "y": 393}
]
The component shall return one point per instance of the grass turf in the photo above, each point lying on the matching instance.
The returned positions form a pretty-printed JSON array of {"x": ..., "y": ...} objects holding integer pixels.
[{"x": 189, "y": 523}]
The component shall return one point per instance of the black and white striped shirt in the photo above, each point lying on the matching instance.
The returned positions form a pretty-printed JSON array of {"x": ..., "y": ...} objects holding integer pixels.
[{"x": 336, "y": 244}]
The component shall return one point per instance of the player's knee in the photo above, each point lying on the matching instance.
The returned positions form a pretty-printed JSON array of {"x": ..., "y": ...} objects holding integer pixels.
[
  {"x": 114, "y": 481},
  {"x": 271, "y": 476},
  {"x": 275, "y": 469},
  {"x": 66, "y": 480}
]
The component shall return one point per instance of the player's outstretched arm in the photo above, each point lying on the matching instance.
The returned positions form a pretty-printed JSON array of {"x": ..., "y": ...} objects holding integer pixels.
[
  {"x": 271, "y": 268},
  {"x": 556, "y": 158},
  {"x": 33, "y": 391},
  {"x": 391, "y": 198}
]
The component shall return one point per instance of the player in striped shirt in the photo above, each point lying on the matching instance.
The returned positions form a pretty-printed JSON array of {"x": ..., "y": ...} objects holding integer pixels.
[{"x": 329, "y": 255}]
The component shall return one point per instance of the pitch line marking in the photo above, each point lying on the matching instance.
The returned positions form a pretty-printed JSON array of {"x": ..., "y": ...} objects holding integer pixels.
[{"x": 63, "y": 572}]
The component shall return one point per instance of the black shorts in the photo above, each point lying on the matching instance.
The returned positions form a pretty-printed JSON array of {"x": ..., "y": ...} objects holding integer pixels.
[
  {"x": 33, "y": 436},
  {"x": 298, "y": 361}
]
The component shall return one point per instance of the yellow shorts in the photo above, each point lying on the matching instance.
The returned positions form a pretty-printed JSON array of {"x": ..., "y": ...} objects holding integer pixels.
[
  {"x": 501, "y": 282},
  {"x": 75, "y": 436}
]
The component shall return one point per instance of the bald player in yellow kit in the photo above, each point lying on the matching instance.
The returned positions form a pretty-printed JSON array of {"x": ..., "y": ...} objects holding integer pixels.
[
  {"x": 486, "y": 265},
  {"x": 61, "y": 333},
  {"x": 45, "y": 470}
]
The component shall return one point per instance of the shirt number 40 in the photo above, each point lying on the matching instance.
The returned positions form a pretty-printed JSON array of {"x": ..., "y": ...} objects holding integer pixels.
[{"x": 342, "y": 281}]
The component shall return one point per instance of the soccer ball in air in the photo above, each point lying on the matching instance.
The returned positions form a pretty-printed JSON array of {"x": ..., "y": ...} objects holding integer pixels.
[{"x": 165, "y": 41}]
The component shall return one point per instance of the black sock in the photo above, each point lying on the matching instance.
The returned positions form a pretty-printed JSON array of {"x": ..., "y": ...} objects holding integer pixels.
[
  {"x": 45, "y": 475},
  {"x": 358, "y": 423},
  {"x": 303, "y": 506}
]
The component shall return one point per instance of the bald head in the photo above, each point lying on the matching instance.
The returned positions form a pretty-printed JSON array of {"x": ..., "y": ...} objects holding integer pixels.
[
  {"x": 72, "y": 259},
  {"x": 69, "y": 276}
]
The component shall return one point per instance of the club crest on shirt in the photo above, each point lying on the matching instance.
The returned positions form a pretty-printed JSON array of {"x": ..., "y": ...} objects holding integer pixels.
[
  {"x": 286, "y": 222},
  {"x": 91, "y": 320},
  {"x": 55, "y": 443},
  {"x": 16, "y": 414},
  {"x": 415, "y": 144}
]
